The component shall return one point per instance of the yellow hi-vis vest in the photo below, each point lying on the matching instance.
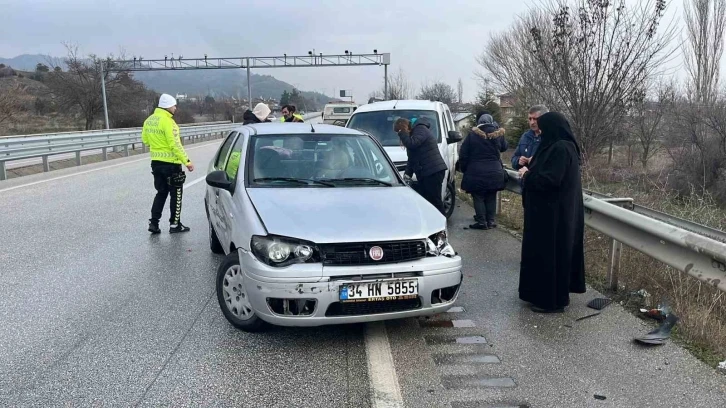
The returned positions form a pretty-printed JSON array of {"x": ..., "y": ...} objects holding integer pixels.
[
  {"x": 161, "y": 134},
  {"x": 295, "y": 115}
]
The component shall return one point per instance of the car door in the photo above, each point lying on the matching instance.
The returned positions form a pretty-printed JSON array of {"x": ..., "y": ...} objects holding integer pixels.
[
  {"x": 212, "y": 197},
  {"x": 452, "y": 149},
  {"x": 228, "y": 209}
]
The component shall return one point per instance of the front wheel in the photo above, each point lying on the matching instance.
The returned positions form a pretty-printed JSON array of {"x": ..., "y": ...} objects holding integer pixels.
[
  {"x": 449, "y": 199},
  {"x": 233, "y": 298}
]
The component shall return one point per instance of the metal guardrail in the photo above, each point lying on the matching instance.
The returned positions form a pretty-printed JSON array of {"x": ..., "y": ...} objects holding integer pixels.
[
  {"x": 12, "y": 149},
  {"x": 43, "y": 146},
  {"x": 689, "y": 247}
]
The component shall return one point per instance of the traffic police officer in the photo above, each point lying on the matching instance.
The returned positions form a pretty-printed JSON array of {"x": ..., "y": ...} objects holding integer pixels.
[
  {"x": 161, "y": 134},
  {"x": 289, "y": 115}
]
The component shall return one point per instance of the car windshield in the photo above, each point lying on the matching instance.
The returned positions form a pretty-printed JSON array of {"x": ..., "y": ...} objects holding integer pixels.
[
  {"x": 380, "y": 123},
  {"x": 313, "y": 160}
]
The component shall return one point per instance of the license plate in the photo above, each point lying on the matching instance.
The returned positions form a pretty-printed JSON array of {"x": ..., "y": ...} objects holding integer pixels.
[{"x": 379, "y": 291}]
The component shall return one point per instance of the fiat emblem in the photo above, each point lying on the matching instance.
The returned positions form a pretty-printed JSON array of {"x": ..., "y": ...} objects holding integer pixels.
[{"x": 376, "y": 253}]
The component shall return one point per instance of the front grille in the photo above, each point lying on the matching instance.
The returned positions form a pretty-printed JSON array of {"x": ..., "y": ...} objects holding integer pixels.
[
  {"x": 358, "y": 254},
  {"x": 374, "y": 307},
  {"x": 400, "y": 166}
]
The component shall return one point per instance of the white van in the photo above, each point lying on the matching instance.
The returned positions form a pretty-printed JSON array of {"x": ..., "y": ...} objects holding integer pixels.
[
  {"x": 378, "y": 118},
  {"x": 338, "y": 113}
]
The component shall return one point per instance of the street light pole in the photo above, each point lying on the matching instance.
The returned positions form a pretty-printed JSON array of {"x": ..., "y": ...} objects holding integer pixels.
[
  {"x": 385, "y": 82},
  {"x": 103, "y": 92},
  {"x": 249, "y": 87}
]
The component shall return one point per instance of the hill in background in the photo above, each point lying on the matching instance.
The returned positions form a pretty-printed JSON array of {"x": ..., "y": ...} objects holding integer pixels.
[{"x": 223, "y": 83}]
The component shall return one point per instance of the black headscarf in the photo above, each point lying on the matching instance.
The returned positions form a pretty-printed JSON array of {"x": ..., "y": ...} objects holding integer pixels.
[{"x": 555, "y": 127}]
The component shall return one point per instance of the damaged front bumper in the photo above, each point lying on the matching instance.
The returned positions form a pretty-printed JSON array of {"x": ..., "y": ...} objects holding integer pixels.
[{"x": 315, "y": 301}]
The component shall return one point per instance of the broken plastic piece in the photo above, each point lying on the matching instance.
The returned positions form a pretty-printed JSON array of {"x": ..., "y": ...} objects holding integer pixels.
[
  {"x": 599, "y": 303},
  {"x": 657, "y": 314},
  {"x": 661, "y": 334},
  {"x": 600, "y": 397}
]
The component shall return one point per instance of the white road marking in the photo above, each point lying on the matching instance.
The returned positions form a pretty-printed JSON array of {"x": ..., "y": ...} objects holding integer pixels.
[
  {"x": 191, "y": 183},
  {"x": 91, "y": 171},
  {"x": 385, "y": 391}
]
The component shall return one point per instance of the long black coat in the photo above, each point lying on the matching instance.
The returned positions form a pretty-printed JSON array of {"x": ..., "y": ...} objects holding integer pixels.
[
  {"x": 480, "y": 161},
  {"x": 424, "y": 157},
  {"x": 553, "y": 260}
]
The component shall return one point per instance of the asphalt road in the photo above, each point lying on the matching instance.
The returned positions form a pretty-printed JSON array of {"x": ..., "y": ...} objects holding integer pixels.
[{"x": 96, "y": 312}]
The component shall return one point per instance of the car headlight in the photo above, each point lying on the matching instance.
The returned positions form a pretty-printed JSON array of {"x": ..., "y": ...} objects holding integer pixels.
[
  {"x": 438, "y": 245},
  {"x": 282, "y": 251}
]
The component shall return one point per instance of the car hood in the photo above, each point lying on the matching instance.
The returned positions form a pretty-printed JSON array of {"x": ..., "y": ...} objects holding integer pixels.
[{"x": 355, "y": 214}]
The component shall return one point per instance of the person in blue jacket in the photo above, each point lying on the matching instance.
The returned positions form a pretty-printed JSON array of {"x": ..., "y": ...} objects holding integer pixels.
[{"x": 530, "y": 140}]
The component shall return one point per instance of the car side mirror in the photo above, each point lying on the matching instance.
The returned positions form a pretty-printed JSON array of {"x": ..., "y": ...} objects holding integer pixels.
[
  {"x": 219, "y": 179},
  {"x": 454, "y": 137}
]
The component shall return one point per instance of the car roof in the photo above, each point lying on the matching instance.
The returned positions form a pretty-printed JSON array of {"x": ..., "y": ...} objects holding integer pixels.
[
  {"x": 412, "y": 104},
  {"x": 299, "y": 129}
]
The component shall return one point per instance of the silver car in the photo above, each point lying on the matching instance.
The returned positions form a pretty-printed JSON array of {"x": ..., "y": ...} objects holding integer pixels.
[{"x": 319, "y": 228}]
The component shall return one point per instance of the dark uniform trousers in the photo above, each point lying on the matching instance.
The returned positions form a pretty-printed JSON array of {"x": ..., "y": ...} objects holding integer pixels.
[{"x": 167, "y": 182}]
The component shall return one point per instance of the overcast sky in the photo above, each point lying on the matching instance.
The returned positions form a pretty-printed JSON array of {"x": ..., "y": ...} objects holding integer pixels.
[{"x": 430, "y": 40}]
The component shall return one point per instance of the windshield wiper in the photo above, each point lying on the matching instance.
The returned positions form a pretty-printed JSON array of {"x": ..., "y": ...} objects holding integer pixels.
[
  {"x": 294, "y": 180},
  {"x": 362, "y": 180}
]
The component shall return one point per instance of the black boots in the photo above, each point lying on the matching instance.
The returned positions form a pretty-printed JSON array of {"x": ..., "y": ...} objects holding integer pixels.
[
  {"x": 173, "y": 229},
  {"x": 154, "y": 227}
]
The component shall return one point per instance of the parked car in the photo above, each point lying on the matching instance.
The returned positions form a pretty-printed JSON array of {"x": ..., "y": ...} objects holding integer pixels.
[
  {"x": 377, "y": 119},
  {"x": 338, "y": 113},
  {"x": 319, "y": 228}
]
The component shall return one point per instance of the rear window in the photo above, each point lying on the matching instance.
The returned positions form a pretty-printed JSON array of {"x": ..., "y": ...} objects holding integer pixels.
[
  {"x": 380, "y": 123},
  {"x": 341, "y": 110}
]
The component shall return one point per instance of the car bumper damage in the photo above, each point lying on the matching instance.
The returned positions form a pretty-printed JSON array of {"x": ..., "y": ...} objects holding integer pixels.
[{"x": 356, "y": 294}]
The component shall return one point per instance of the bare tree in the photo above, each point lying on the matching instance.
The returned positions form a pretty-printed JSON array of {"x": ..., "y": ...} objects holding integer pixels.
[
  {"x": 646, "y": 120},
  {"x": 703, "y": 47},
  {"x": 585, "y": 60},
  {"x": 79, "y": 87},
  {"x": 699, "y": 118},
  {"x": 399, "y": 87},
  {"x": 438, "y": 91},
  {"x": 460, "y": 91},
  {"x": 9, "y": 103}
]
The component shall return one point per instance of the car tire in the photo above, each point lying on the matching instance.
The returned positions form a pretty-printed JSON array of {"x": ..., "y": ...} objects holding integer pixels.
[
  {"x": 214, "y": 243},
  {"x": 232, "y": 296},
  {"x": 450, "y": 199}
]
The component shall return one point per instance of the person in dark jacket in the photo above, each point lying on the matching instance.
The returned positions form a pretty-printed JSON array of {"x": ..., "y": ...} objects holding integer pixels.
[
  {"x": 553, "y": 256},
  {"x": 424, "y": 159},
  {"x": 530, "y": 140},
  {"x": 258, "y": 115},
  {"x": 484, "y": 174}
]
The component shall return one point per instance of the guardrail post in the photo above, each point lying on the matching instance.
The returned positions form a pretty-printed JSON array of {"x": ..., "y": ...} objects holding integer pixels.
[
  {"x": 616, "y": 249},
  {"x": 499, "y": 202},
  {"x": 105, "y": 154},
  {"x": 126, "y": 150},
  {"x": 3, "y": 172},
  {"x": 78, "y": 158},
  {"x": 46, "y": 166},
  {"x": 143, "y": 148}
]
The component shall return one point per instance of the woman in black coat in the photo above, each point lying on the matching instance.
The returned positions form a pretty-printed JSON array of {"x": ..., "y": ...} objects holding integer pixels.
[
  {"x": 553, "y": 257},
  {"x": 484, "y": 174}
]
